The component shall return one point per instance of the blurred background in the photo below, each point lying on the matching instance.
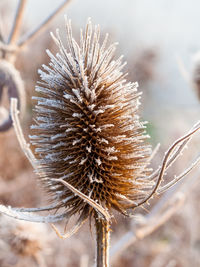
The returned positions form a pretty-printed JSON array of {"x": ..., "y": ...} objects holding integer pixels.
[{"x": 159, "y": 41}]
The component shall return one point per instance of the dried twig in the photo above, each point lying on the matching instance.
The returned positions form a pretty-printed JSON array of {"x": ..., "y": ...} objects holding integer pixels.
[
  {"x": 32, "y": 35},
  {"x": 8, "y": 52},
  {"x": 17, "y": 22},
  {"x": 179, "y": 177},
  {"x": 10, "y": 78},
  {"x": 174, "y": 156},
  {"x": 168, "y": 156}
]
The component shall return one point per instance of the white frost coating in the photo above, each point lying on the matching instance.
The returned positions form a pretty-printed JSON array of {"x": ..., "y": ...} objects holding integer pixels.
[
  {"x": 117, "y": 174},
  {"x": 30, "y": 217},
  {"x": 70, "y": 130},
  {"x": 54, "y": 187},
  {"x": 98, "y": 161},
  {"x": 83, "y": 160},
  {"x": 112, "y": 158},
  {"x": 99, "y": 111},
  {"x": 107, "y": 107},
  {"x": 105, "y": 126},
  {"x": 44, "y": 110},
  {"x": 122, "y": 197},
  {"x": 90, "y": 176},
  {"x": 67, "y": 158},
  {"x": 89, "y": 149},
  {"x": 67, "y": 175},
  {"x": 64, "y": 125},
  {"x": 97, "y": 130},
  {"x": 77, "y": 115},
  {"x": 91, "y": 107},
  {"x": 103, "y": 140},
  {"x": 34, "y": 137},
  {"x": 93, "y": 96},
  {"x": 85, "y": 130},
  {"x": 90, "y": 193},
  {"x": 54, "y": 137},
  {"x": 110, "y": 150},
  {"x": 58, "y": 145},
  {"x": 76, "y": 141},
  {"x": 129, "y": 128},
  {"x": 51, "y": 102},
  {"x": 118, "y": 138},
  {"x": 93, "y": 179},
  {"x": 73, "y": 161},
  {"x": 77, "y": 94},
  {"x": 67, "y": 96},
  {"x": 53, "y": 156},
  {"x": 67, "y": 199},
  {"x": 43, "y": 119}
]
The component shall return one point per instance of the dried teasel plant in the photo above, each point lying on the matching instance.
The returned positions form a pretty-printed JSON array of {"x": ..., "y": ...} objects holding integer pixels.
[
  {"x": 22, "y": 243},
  {"x": 10, "y": 77},
  {"x": 90, "y": 148}
]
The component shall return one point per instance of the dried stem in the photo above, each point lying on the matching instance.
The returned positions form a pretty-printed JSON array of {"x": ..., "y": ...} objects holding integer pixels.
[
  {"x": 102, "y": 238},
  {"x": 30, "y": 36},
  {"x": 10, "y": 78},
  {"x": 165, "y": 163},
  {"x": 17, "y": 22}
]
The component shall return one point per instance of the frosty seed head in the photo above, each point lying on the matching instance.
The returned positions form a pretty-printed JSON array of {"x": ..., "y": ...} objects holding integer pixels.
[{"x": 87, "y": 129}]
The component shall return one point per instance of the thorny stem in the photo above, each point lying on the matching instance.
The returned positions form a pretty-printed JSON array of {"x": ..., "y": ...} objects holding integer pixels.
[
  {"x": 29, "y": 37},
  {"x": 17, "y": 22},
  {"x": 102, "y": 239}
]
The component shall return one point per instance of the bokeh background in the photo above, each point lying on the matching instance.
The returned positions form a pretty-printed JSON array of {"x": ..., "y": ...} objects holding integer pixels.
[{"x": 159, "y": 40}]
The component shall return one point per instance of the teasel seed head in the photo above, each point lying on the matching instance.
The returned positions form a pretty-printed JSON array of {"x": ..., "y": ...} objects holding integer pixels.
[{"x": 87, "y": 128}]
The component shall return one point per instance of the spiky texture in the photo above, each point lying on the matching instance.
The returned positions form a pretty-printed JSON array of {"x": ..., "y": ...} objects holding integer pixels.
[{"x": 87, "y": 129}]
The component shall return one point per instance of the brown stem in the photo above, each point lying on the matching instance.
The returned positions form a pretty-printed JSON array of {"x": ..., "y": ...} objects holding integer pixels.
[
  {"x": 30, "y": 36},
  {"x": 102, "y": 238},
  {"x": 17, "y": 22}
]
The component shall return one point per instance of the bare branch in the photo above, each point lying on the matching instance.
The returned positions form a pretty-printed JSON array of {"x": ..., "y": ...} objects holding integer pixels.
[
  {"x": 18, "y": 130},
  {"x": 165, "y": 161},
  {"x": 174, "y": 156},
  {"x": 10, "y": 78},
  {"x": 72, "y": 231},
  {"x": 11, "y": 212},
  {"x": 179, "y": 177},
  {"x": 50, "y": 207},
  {"x": 177, "y": 152},
  {"x": 17, "y": 22},
  {"x": 30, "y": 36}
]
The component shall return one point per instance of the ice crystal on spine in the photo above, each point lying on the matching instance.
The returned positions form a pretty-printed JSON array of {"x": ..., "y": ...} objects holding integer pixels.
[{"x": 90, "y": 134}]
